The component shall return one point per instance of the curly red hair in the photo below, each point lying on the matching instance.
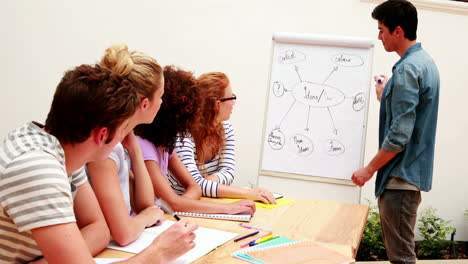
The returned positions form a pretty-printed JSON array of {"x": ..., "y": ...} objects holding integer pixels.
[{"x": 208, "y": 134}]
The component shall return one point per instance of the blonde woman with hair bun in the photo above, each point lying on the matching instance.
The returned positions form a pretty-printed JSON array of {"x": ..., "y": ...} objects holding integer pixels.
[
  {"x": 121, "y": 182},
  {"x": 59, "y": 219}
]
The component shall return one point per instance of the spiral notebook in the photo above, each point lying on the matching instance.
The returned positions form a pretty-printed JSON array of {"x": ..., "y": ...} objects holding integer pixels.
[
  {"x": 241, "y": 254},
  {"x": 304, "y": 251},
  {"x": 239, "y": 217}
]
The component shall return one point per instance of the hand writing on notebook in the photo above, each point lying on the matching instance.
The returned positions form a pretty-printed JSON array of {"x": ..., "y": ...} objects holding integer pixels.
[
  {"x": 176, "y": 240},
  {"x": 260, "y": 194}
]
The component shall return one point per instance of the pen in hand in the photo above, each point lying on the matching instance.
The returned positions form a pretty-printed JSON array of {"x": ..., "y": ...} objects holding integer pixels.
[{"x": 167, "y": 208}]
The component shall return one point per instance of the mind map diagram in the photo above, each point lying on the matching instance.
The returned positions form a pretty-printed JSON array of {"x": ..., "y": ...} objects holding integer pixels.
[{"x": 317, "y": 97}]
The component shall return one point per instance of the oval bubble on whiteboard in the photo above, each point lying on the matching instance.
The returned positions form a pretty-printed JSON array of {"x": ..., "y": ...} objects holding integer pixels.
[
  {"x": 347, "y": 60},
  {"x": 302, "y": 145},
  {"x": 317, "y": 95},
  {"x": 278, "y": 89},
  {"x": 359, "y": 101},
  {"x": 276, "y": 139},
  {"x": 334, "y": 147},
  {"x": 291, "y": 56}
]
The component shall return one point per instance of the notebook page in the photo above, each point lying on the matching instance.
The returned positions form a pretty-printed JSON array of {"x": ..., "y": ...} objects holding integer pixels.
[{"x": 206, "y": 240}]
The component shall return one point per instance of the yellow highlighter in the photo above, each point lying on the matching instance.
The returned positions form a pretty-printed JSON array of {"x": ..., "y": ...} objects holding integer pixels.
[{"x": 263, "y": 239}]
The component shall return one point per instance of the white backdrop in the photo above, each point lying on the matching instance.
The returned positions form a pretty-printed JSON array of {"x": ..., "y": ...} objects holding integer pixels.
[{"x": 41, "y": 39}]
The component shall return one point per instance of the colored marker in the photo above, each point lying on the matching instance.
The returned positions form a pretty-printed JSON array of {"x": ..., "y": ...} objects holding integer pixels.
[
  {"x": 263, "y": 239},
  {"x": 270, "y": 239},
  {"x": 246, "y": 236},
  {"x": 248, "y": 243},
  {"x": 380, "y": 80},
  {"x": 256, "y": 228},
  {"x": 260, "y": 239}
]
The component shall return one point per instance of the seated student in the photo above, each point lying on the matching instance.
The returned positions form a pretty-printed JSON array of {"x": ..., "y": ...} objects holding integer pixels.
[
  {"x": 110, "y": 178},
  {"x": 181, "y": 102},
  {"x": 47, "y": 207},
  {"x": 208, "y": 153}
]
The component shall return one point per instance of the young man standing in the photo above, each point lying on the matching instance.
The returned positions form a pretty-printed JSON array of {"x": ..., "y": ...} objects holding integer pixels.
[
  {"x": 47, "y": 207},
  {"x": 408, "y": 120}
]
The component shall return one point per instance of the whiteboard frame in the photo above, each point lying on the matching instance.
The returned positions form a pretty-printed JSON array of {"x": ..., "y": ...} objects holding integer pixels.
[{"x": 312, "y": 178}]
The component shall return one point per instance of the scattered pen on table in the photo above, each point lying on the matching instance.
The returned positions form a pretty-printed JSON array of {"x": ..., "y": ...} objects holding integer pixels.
[
  {"x": 246, "y": 236},
  {"x": 262, "y": 239},
  {"x": 167, "y": 208},
  {"x": 256, "y": 228}
]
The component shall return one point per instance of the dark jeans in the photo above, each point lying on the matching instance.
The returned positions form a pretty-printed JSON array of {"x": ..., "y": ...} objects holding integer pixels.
[{"x": 398, "y": 211}]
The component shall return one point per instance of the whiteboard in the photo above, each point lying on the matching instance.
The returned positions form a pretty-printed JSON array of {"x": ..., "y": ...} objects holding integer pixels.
[{"x": 316, "y": 114}]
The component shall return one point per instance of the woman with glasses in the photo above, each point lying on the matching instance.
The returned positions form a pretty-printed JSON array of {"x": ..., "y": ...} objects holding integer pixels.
[
  {"x": 179, "y": 112},
  {"x": 208, "y": 153}
]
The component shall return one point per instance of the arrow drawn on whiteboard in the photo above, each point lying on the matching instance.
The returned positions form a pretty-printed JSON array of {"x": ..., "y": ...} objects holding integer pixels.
[
  {"x": 287, "y": 112},
  {"x": 335, "y": 131},
  {"x": 328, "y": 77},
  {"x": 308, "y": 116},
  {"x": 298, "y": 75}
]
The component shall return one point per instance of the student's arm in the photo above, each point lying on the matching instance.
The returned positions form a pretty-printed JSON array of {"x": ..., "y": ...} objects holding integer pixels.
[
  {"x": 62, "y": 243},
  {"x": 177, "y": 168},
  {"x": 256, "y": 194},
  {"x": 169, "y": 245},
  {"x": 142, "y": 193},
  {"x": 180, "y": 203},
  {"x": 186, "y": 151},
  {"x": 90, "y": 219},
  {"x": 213, "y": 189},
  {"x": 123, "y": 227},
  {"x": 227, "y": 159}
]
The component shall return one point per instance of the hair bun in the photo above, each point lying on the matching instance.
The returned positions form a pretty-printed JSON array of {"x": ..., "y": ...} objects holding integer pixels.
[{"x": 117, "y": 59}]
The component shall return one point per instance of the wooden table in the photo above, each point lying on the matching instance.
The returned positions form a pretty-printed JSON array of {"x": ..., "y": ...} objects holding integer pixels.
[{"x": 334, "y": 224}]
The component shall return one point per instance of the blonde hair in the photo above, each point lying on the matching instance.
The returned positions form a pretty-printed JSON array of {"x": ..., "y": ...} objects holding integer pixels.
[{"x": 141, "y": 70}]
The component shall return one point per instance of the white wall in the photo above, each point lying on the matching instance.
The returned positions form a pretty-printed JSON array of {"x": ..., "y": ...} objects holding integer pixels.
[{"x": 41, "y": 39}]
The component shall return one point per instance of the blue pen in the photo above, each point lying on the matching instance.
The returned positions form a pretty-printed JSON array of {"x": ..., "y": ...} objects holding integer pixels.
[{"x": 380, "y": 80}]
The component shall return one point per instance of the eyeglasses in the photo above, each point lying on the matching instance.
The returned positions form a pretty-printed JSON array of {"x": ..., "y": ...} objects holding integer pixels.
[{"x": 233, "y": 97}]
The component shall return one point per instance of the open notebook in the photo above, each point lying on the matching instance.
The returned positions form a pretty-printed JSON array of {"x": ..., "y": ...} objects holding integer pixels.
[
  {"x": 239, "y": 217},
  {"x": 206, "y": 240}
]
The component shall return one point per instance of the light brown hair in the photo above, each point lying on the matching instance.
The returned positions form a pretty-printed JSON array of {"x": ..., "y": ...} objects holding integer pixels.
[{"x": 141, "y": 70}]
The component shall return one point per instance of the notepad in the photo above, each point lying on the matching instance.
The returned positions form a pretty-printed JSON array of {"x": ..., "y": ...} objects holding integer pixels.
[
  {"x": 239, "y": 217},
  {"x": 304, "y": 251}
]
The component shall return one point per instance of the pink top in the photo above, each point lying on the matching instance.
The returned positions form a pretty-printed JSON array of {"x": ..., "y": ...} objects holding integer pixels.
[{"x": 151, "y": 152}]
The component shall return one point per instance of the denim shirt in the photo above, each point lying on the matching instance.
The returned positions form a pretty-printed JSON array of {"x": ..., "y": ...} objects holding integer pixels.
[{"x": 408, "y": 120}]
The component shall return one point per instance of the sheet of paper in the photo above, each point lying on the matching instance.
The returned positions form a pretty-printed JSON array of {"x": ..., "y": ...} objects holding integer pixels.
[{"x": 205, "y": 241}]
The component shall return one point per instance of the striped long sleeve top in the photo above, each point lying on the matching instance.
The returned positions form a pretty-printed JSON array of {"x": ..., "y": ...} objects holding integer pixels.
[{"x": 223, "y": 165}]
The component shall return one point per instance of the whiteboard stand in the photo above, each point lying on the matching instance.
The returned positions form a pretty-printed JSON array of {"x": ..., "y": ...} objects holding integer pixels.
[{"x": 315, "y": 121}]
